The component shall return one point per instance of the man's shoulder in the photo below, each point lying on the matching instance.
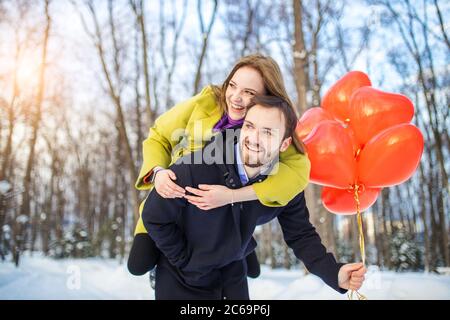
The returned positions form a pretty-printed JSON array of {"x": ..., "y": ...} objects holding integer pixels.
[
  {"x": 182, "y": 171},
  {"x": 193, "y": 166},
  {"x": 299, "y": 199}
]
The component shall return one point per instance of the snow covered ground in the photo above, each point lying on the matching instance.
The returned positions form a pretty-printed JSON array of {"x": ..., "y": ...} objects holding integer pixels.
[{"x": 44, "y": 278}]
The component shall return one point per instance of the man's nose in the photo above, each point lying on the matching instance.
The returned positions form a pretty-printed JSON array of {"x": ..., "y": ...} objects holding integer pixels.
[{"x": 253, "y": 137}]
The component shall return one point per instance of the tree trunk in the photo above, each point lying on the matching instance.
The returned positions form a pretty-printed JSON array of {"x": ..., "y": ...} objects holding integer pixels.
[
  {"x": 205, "y": 38},
  {"x": 36, "y": 119}
]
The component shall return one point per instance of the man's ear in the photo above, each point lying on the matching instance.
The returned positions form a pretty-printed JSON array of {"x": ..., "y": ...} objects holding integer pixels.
[{"x": 285, "y": 144}]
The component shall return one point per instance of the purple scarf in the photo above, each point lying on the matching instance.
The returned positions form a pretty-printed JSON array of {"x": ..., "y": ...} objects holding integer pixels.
[{"x": 226, "y": 122}]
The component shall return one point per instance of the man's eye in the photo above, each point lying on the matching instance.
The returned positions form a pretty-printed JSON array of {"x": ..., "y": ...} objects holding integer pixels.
[
  {"x": 268, "y": 132},
  {"x": 248, "y": 126}
]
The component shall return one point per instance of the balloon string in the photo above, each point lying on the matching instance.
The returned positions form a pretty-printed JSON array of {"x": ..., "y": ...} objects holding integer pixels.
[{"x": 362, "y": 250}]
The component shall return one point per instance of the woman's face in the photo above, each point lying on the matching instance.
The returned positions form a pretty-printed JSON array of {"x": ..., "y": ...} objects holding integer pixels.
[{"x": 245, "y": 83}]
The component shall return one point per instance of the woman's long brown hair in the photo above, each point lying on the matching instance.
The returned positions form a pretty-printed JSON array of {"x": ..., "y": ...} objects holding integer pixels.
[{"x": 273, "y": 83}]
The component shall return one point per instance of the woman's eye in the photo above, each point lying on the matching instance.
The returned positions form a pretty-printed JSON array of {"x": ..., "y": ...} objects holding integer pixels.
[
  {"x": 249, "y": 93},
  {"x": 232, "y": 85}
]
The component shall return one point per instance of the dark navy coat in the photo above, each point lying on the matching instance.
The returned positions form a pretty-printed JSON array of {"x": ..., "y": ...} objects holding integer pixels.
[{"x": 199, "y": 243}]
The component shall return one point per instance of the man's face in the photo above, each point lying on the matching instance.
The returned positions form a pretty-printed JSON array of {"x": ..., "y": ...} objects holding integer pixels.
[{"x": 262, "y": 134}]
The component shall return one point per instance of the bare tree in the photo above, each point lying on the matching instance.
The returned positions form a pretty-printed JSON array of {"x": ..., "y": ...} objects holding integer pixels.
[
  {"x": 169, "y": 59},
  {"x": 205, "y": 32},
  {"x": 139, "y": 12},
  {"x": 414, "y": 30},
  {"x": 307, "y": 79},
  {"x": 114, "y": 83},
  {"x": 35, "y": 124}
]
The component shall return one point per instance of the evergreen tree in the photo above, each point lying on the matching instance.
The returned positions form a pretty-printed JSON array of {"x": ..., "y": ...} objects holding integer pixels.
[{"x": 405, "y": 250}]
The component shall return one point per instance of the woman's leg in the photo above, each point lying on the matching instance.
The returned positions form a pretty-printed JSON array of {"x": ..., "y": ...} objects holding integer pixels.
[
  {"x": 253, "y": 268},
  {"x": 143, "y": 255}
]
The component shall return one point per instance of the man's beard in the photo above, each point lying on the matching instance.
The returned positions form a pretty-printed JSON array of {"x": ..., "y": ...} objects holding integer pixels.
[
  {"x": 254, "y": 164},
  {"x": 249, "y": 164}
]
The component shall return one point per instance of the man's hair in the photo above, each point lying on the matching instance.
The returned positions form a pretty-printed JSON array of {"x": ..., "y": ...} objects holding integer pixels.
[{"x": 290, "y": 118}]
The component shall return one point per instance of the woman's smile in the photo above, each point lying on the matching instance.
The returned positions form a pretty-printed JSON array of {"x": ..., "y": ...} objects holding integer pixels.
[{"x": 237, "y": 107}]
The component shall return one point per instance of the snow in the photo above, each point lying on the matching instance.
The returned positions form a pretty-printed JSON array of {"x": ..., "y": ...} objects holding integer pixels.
[
  {"x": 4, "y": 186},
  {"x": 45, "y": 278},
  {"x": 39, "y": 277}
]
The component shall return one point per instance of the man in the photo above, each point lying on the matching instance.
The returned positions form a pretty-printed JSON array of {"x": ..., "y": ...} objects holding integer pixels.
[{"x": 204, "y": 251}]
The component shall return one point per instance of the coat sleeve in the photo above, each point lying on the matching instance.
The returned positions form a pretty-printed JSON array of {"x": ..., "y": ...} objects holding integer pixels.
[
  {"x": 301, "y": 236},
  {"x": 290, "y": 178},
  {"x": 160, "y": 217},
  {"x": 165, "y": 134}
]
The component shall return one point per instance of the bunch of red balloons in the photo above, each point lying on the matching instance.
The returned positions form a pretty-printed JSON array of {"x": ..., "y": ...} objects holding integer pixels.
[{"x": 360, "y": 139}]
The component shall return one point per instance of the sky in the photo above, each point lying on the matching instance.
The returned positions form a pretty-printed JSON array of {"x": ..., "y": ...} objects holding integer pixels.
[{"x": 72, "y": 51}]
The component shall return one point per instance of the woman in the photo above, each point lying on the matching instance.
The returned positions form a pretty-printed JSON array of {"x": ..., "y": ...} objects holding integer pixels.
[{"x": 214, "y": 108}]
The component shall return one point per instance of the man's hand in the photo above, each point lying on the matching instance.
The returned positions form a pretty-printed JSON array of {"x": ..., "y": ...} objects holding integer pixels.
[{"x": 351, "y": 276}]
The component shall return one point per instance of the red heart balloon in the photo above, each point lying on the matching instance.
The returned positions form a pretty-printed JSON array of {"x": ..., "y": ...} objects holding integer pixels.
[
  {"x": 336, "y": 99},
  {"x": 373, "y": 110},
  {"x": 355, "y": 144},
  {"x": 341, "y": 201},
  {"x": 309, "y": 120},
  {"x": 391, "y": 157},
  {"x": 330, "y": 151}
]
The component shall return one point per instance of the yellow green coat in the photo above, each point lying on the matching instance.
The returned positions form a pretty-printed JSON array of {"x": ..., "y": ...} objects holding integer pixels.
[{"x": 202, "y": 112}]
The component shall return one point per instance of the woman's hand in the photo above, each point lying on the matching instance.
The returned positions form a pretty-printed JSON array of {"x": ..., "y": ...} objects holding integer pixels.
[
  {"x": 210, "y": 196},
  {"x": 165, "y": 187}
]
